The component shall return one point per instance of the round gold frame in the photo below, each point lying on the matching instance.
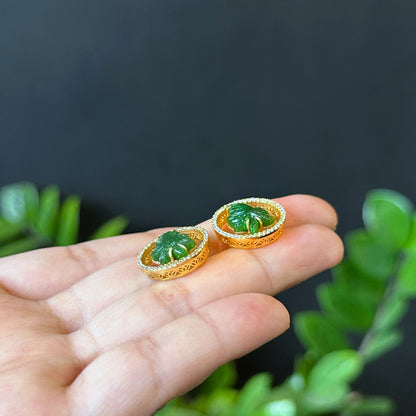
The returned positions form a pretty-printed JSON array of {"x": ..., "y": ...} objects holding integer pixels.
[
  {"x": 177, "y": 268},
  {"x": 262, "y": 238}
]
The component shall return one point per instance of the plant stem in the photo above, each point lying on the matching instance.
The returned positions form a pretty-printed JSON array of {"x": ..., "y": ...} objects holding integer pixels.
[{"x": 388, "y": 294}]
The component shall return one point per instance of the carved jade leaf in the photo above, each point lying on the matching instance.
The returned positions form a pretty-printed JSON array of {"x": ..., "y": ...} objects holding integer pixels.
[
  {"x": 171, "y": 246},
  {"x": 245, "y": 218}
]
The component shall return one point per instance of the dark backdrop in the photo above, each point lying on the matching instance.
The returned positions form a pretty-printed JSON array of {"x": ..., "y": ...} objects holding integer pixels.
[{"x": 166, "y": 109}]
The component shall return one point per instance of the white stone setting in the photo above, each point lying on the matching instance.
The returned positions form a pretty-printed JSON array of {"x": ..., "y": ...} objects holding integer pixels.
[
  {"x": 175, "y": 263},
  {"x": 253, "y": 200}
]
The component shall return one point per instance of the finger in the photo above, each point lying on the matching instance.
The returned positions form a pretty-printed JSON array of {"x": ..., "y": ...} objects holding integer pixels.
[
  {"x": 78, "y": 304},
  {"x": 123, "y": 277},
  {"x": 302, "y": 252},
  {"x": 309, "y": 209},
  {"x": 43, "y": 273},
  {"x": 306, "y": 209},
  {"x": 143, "y": 374},
  {"x": 300, "y": 209}
]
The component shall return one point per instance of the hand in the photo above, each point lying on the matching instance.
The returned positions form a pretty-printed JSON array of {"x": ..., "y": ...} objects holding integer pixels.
[{"x": 84, "y": 332}]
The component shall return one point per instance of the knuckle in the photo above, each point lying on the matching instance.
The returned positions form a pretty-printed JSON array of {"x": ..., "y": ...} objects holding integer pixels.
[{"x": 175, "y": 298}]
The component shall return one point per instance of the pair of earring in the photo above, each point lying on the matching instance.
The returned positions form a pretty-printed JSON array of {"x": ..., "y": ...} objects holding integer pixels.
[{"x": 246, "y": 224}]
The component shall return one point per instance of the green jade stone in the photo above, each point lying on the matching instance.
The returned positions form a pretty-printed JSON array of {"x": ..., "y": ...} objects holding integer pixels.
[
  {"x": 171, "y": 246},
  {"x": 245, "y": 218}
]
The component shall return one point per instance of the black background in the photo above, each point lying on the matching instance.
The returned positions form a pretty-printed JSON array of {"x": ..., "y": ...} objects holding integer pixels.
[{"x": 165, "y": 109}]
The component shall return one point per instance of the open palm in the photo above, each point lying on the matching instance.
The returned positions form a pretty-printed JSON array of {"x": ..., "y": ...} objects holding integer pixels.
[{"x": 84, "y": 332}]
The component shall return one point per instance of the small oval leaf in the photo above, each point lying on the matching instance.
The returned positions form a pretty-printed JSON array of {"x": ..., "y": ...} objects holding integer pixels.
[
  {"x": 376, "y": 406},
  {"x": 317, "y": 334},
  {"x": 223, "y": 377},
  {"x": 348, "y": 309},
  {"x": 369, "y": 257},
  {"x": 253, "y": 394},
  {"x": 406, "y": 277},
  {"x": 394, "y": 309},
  {"x": 387, "y": 216},
  {"x": 283, "y": 407},
  {"x": 381, "y": 343},
  {"x": 337, "y": 367}
]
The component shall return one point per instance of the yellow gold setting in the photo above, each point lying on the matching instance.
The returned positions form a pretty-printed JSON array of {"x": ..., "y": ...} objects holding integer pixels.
[
  {"x": 176, "y": 268},
  {"x": 265, "y": 236}
]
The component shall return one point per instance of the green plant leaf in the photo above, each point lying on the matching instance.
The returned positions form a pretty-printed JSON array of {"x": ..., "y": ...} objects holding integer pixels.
[
  {"x": 366, "y": 406},
  {"x": 177, "y": 411},
  {"x": 387, "y": 216},
  {"x": 316, "y": 333},
  {"x": 172, "y": 244},
  {"x": 348, "y": 309},
  {"x": 177, "y": 402},
  {"x": 305, "y": 363},
  {"x": 177, "y": 407},
  {"x": 406, "y": 276},
  {"x": 285, "y": 390},
  {"x": 296, "y": 382},
  {"x": 335, "y": 368},
  {"x": 48, "y": 211},
  {"x": 394, "y": 309},
  {"x": 410, "y": 244},
  {"x": 68, "y": 223},
  {"x": 19, "y": 202},
  {"x": 252, "y": 395},
  {"x": 283, "y": 407},
  {"x": 223, "y": 377},
  {"x": 345, "y": 273},
  {"x": 9, "y": 231},
  {"x": 245, "y": 218},
  {"x": 381, "y": 343},
  {"x": 358, "y": 287},
  {"x": 327, "y": 385},
  {"x": 111, "y": 228},
  {"x": 19, "y": 246},
  {"x": 219, "y": 402},
  {"x": 324, "y": 401},
  {"x": 369, "y": 257}
]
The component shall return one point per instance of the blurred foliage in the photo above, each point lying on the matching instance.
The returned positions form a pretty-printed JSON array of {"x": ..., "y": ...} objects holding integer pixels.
[
  {"x": 31, "y": 219},
  {"x": 365, "y": 301}
]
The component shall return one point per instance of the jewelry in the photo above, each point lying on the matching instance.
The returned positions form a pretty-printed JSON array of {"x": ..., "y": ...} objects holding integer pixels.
[
  {"x": 175, "y": 253},
  {"x": 249, "y": 223}
]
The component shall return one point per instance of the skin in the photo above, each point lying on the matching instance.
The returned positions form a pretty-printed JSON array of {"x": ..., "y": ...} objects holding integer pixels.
[{"x": 85, "y": 332}]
